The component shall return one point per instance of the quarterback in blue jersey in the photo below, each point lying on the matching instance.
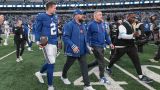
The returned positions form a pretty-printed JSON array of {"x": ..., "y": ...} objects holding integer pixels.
[{"x": 46, "y": 32}]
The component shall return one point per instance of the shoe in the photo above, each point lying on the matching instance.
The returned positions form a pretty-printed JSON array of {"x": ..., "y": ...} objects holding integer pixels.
[
  {"x": 18, "y": 60},
  {"x": 40, "y": 48},
  {"x": 104, "y": 80},
  {"x": 153, "y": 60},
  {"x": 5, "y": 44},
  {"x": 39, "y": 76},
  {"x": 109, "y": 70},
  {"x": 29, "y": 49},
  {"x": 89, "y": 88},
  {"x": 65, "y": 81},
  {"x": 146, "y": 79},
  {"x": 50, "y": 88},
  {"x": 26, "y": 45}
]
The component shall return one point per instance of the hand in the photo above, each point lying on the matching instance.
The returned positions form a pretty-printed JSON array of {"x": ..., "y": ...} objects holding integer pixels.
[
  {"x": 76, "y": 50},
  {"x": 135, "y": 34},
  {"x": 90, "y": 49},
  {"x": 43, "y": 41},
  {"x": 112, "y": 46},
  {"x": 41, "y": 46}
]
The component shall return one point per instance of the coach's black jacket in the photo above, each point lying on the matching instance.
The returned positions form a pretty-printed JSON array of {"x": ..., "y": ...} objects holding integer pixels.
[{"x": 19, "y": 34}]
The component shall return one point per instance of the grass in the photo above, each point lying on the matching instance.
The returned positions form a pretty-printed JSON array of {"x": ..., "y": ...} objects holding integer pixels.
[{"x": 20, "y": 76}]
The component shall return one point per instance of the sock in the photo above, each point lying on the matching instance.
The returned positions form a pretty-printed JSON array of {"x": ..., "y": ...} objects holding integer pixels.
[
  {"x": 44, "y": 68},
  {"x": 140, "y": 76},
  {"x": 50, "y": 70},
  {"x": 30, "y": 44},
  {"x": 107, "y": 67}
]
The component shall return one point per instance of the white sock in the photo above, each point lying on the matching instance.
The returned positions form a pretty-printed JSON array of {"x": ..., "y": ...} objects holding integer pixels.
[{"x": 140, "y": 76}]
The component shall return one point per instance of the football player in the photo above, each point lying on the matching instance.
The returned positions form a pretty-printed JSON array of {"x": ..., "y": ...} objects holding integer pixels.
[
  {"x": 6, "y": 32},
  {"x": 46, "y": 31}
]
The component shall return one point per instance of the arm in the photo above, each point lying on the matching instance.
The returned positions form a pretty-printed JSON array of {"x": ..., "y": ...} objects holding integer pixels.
[
  {"x": 107, "y": 38},
  {"x": 89, "y": 34},
  {"x": 88, "y": 39},
  {"x": 67, "y": 33},
  {"x": 38, "y": 28},
  {"x": 123, "y": 33}
]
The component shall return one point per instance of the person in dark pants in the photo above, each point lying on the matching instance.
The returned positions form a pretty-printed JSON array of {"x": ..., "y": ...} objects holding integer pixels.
[
  {"x": 20, "y": 40},
  {"x": 74, "y": 37},
  {"x": 142, "y": 39},
  {"x": 97, "y": 39},
  {"x": 125, "y": 45},
  {"x": 1, "y": 22},
  {"x": 157, "y": 56},
  {"x": 114, "y": 30}
]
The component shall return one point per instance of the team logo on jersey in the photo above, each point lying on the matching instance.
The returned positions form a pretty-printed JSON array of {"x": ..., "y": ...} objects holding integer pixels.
[{"x": 81, "y": 31}]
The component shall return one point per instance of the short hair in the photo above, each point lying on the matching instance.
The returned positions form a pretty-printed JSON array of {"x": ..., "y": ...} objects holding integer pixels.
[
  {"x": 94, "y": 14},
  {"x": 131, "y": 14},
  {"x": 49, "y": 4},
  {"x": 97, "y": 12}
]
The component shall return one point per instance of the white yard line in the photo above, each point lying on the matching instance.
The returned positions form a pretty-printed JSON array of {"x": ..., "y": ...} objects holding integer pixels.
[
  {"x": 131, "y": 75},
  {"x": 7, "y": 55}
]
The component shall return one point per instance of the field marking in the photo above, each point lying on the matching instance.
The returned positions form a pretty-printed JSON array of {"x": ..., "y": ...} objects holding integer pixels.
[
  {"x": 7, "y": 55},
  {"x": 131, "y": 75},
  {"x": 115, "y": 85},
  {"x": 150, "y": 73}
]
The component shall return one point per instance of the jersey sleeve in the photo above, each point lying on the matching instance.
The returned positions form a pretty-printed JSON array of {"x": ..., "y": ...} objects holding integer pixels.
[{"x": 38, "y": 27}]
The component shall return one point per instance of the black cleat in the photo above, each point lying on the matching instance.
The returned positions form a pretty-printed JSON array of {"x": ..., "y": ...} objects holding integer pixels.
[
  {"x": 146, "y": 79},
  {"x": 109, "y": 70}
]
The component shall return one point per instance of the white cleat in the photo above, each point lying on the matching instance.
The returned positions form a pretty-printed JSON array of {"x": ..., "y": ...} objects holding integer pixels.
[
  {"x": 18, "y": 60},
  {"x": 89, "y": 88},
  {"x": 65, "y": 81},
  {"x": 26, "y": 45},
  {"x": 50, "y": 88},
  {"x": 40, "y": 48},
  {"x": 39, "y": 76},
  {"x": 153, "y": 60},
  {"x": 5, "y": 44},
  {"x": 29, "y": 49},
  {"x": 105, "y": 81}
]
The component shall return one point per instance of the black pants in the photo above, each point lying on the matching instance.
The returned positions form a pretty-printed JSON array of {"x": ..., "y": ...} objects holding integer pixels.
[
  {"x": 83, "y": 66},
  {"x": 99, "y": 55},
  {"x": 148, "y": 34},
  {"x": 19, "y": 47},
  {"x": 131, "y": 52},
  {"x": 140, "y": 48},
  {"x": 157, "y": 56}
]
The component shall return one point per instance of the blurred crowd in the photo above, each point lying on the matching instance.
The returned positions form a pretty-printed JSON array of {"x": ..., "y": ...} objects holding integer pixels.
[{"x": 142, "y": 17}]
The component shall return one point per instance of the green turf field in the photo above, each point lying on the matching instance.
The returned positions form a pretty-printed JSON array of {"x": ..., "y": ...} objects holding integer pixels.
[{"x": 20, "y": 76}]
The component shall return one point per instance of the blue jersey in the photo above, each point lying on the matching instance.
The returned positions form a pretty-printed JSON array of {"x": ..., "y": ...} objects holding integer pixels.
[{"x": 47, "y": 25}]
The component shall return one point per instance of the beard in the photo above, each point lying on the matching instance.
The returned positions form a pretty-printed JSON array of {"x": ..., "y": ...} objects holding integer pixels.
[{"x": 81, "y": 20}]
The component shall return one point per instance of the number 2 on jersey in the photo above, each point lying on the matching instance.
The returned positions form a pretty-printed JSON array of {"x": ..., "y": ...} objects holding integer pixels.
[{"x": 53, "y": 28}]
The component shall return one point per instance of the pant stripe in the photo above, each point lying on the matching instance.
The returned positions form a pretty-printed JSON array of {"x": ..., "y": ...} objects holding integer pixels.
[{"x": 46, "y": 56}]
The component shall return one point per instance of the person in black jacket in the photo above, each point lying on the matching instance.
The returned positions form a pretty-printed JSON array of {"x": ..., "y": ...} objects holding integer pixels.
[
  {"x": 125, "y": 44},
  {"x": 20, "y": 40}
]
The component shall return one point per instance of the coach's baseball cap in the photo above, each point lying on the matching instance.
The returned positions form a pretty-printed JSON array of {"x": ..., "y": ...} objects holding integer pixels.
[{"x": 78, "y": 11}]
